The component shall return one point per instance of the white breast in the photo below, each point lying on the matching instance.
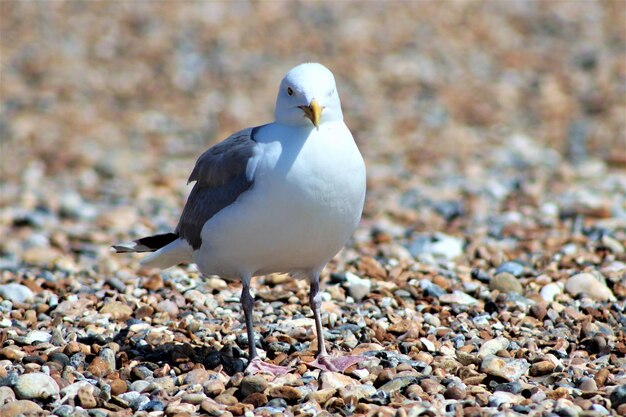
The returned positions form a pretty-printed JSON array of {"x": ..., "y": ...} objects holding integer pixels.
[{"x": 306, "y": 200}]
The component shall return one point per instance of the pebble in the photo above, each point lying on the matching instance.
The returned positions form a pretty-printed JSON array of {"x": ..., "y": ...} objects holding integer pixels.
[
  {"x": 505, "y": 282},
  {"x": 618, "y": 396},
  {"x": 458, "y": 297},
  {"x": 252, "y": 384},
  {"x": 36, "y": 385},
  {"x": 508, "y": 369},
  {"x": 285, "y": 392},
  {"x": 37, "y": 336},
  {"x": 20, "y": 408},
  {"x": 335, "y": 380},
  {"x": 358, "y": 287},
  {"x": 514, "y": 268},
  {"x": 588, "y": 284},
  {"x": 17, "y": 293},
  {"x": 492, "y": 346},
  {"x": 550, "y": 291},
  {"x": 118, "y": 311},
  {"x": 6, "y": 395}
]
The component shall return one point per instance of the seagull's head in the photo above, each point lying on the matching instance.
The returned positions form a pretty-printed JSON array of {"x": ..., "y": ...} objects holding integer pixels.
[{"x": 308, "y": 97}]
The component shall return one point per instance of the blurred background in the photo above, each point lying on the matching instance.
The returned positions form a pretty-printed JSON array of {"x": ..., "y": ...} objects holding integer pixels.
[{"x": 462, "y": 109}]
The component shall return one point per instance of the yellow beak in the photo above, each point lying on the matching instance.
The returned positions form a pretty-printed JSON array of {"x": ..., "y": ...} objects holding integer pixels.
[{"x": 313, "y": 112}]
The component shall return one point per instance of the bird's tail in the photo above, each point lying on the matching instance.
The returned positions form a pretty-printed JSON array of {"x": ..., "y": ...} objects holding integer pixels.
[
  {"x": 146, "y": 244},
  {"x": 168, "y": 248}
]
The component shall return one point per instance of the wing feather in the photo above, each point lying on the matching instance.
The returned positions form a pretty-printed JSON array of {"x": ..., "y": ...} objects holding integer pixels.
[{"x": 220, "y": 176}]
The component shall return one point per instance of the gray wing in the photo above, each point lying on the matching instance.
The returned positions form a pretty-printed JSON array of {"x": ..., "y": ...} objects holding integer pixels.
[{"x": 220, "y": 176}]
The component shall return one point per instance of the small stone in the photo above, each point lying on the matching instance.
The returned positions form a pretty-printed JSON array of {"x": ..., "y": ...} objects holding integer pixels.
[
  {"x": 20, "y": 408},
  {"x": 196, "y": 376},
  {"x": 506, "y": 283},
  {"x": 458, "y": 297},
  {"x": 357, "y": 392},
  {"x": 140, "y": 385},
  {"x": 16, "y": 293},
  {"x": 118, "y": 311},
  {"x": 588, "y": 385},
  {"x": 430, "y": 386},
  {"x": 257, "y": 399},
  {"x": 587, "y": 283},
  {"x": 514, "y": 268},
  {"x": 335, "y": 380},
  {"x": 36, "y": 385},
  {"x": 285, "y": 392},
  {"x": 213, "y": 387},
  {"x": 508, "y": 369},
  {"x": 252, "y": 384},
  {"x": 538, "y": 311},
  {"x": 108, "y": 359},
  {"x": 358, "y": 287},
  {"x": 397, "y": 383},
  {"x": 86, "y": 398},
  {"x": 154, "y": 283},
  {"x": 6, "y": 395},
  {"x": 549, "y": 292},
  {"x": 195, "y": 398},
  {"x": 12, "y": 353},
  {"x": 455, "y": 393},
  {"x": 321, "y": 396},
  {"x": 180, "y": 408},
  {"x": 98, "y": 367},
  {"x": 618, "y": 396},
  {"x": 37, "y": 336},
  {"x": 490, "y": 347},
  {"x": 601, "y": 377},
  {"x": 226, "y": 399},
  {"x": 541, "y": 368},
  {"x": 169, "y": 307},
  {"x": 118, "y": 386}
]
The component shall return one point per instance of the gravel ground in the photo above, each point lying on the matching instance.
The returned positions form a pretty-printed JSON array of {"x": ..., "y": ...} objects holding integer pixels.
[{"x": 488, "y": 276}]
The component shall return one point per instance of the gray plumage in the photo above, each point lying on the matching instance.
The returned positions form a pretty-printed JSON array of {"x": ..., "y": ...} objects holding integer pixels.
[{"x": 220, "y": 176}]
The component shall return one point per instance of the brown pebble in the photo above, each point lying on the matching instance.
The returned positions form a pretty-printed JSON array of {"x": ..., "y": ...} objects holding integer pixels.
[
  {"x": 538, "y": 311},
  {"x": 455, "y": 393},
  {"x": 210, "y": 407},
  {"x": 541, "y": 368},
  {"x": 321, "y": 396},
  {"x": 385, "y": 376},
  {"x": 154, "y": 283},
  {"x": 472, "y": 412},
  {"x": 601, "y": 377},
  {"x": 226, "y": 399},
  {"x": 430, "y": 386},
  {"x": 118, "y": 386},
  {"x": 560, "y": 392},
  {"x": 257, "y": 399},
  {"x": 98, "y": 367},
  {"x": 285, "y": 392},
  {"x": 621, "y": 410}
]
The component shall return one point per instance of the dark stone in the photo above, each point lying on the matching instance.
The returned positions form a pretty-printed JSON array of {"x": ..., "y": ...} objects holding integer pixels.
[
  {"x": 618, "y": 396},
  {"x": 33, "y": 359}
]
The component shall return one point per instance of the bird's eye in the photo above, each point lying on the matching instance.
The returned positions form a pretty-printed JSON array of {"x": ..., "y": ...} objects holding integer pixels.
[{"x": 290, "y": 91}]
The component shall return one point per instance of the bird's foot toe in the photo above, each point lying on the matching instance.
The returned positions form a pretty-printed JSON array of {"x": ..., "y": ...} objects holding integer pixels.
[
  {"x": 256, "y": 366},
  {"x": 335, "y": 363}
]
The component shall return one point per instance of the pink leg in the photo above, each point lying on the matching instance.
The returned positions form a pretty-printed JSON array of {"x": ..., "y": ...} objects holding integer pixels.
[
  {"x": 323, "y": 360},
  {"x": 255, "y": 365}
]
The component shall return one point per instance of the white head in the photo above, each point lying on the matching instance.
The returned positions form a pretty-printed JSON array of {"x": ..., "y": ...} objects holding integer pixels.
[{"x": 308, "y": 97}]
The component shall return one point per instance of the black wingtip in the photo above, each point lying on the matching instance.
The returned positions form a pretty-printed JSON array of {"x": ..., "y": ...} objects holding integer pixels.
[{"x": 146, "y": 244}]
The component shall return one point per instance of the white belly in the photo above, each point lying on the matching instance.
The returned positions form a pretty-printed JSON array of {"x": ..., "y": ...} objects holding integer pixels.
[{"x": 306, "y": 201}]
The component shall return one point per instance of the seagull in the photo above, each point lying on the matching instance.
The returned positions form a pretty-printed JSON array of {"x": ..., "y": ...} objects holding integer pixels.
[{"x": 283, "y": 197}]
